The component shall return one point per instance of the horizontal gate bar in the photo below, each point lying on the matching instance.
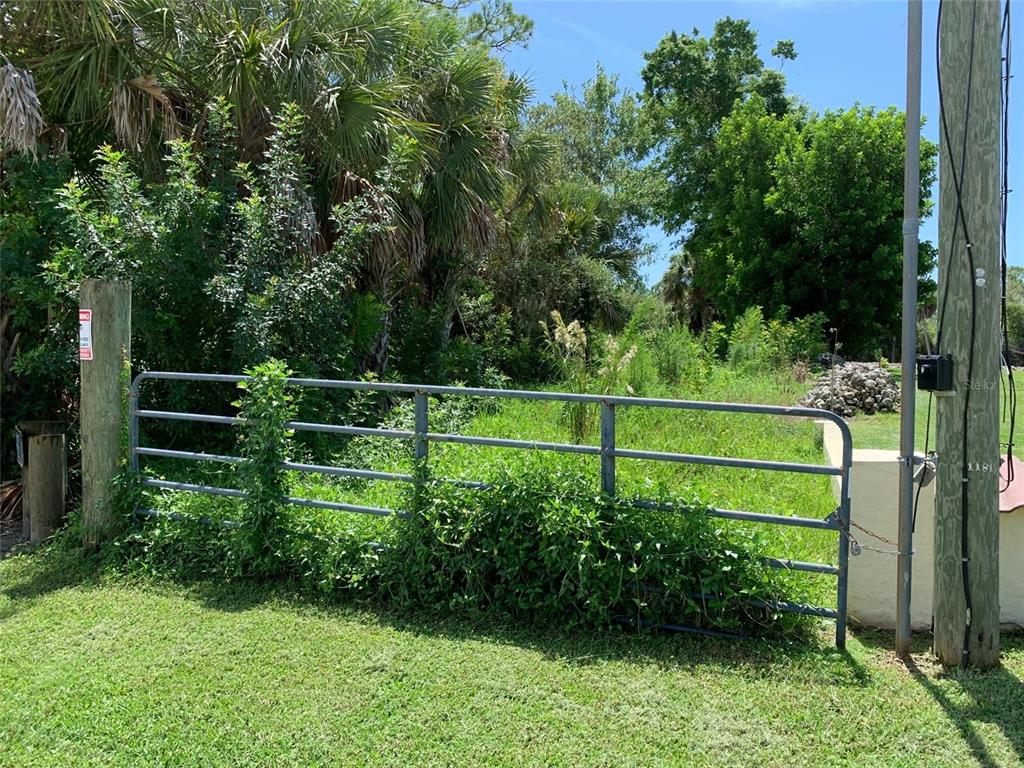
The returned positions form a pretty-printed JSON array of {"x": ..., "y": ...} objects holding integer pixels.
[
  {"x": 785, "y": 606},
  {"x": 362, "y": 474},
  {"x": 235, "y": 493},
  {"x": 205, "y": 520},
  {"x": 213, "y": 490},
  {"x": 206, "y": 418},
  {"x": 730, "y": 514},
  {"x": 475, "y": 485},
  {"x": 628, "y": 621},
  {"x": 188, "y": 455},
  {"x": 342, "y": 507},
  {"x": 797, "y": 565},
  {"x": 721, "y": 461},
  {"x": 301, "y": 426},
  {"x": 499, "y": 442},
  {"x": 337, "y": 429},
  {"x": 593, "y": 450},
  {"x": 736, "y": 514},
  {"x": 142, "y": 512},
  {"x": 520, "y": 394}
]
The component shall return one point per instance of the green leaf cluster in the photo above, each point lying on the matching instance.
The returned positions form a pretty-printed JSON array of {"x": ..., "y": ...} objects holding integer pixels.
[
  {"x": 539, "y": 546},
  {"x": 803, "y": 216},
  {"x": 265, "y": 407}
]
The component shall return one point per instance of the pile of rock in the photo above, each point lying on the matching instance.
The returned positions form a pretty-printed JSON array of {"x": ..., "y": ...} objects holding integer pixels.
[{"x": 852, "y": 387}]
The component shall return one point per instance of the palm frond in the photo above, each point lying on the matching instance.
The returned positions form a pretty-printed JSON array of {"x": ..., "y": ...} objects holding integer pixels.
[{"x": 21, "y": 117}]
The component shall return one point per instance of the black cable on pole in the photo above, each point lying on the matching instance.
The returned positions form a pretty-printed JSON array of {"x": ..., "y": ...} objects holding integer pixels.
[
  {"x": 1011, "y": 400},
  {"x": 920, "y": 484},
  {"x": 958, "y": 177}
]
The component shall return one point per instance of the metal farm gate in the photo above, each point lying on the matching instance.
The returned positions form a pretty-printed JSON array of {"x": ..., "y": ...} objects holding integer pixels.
[{"x": 607, "y": 452}]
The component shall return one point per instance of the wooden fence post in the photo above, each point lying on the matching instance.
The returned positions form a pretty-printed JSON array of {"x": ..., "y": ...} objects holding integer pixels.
[{"x": 105, "y": 317}]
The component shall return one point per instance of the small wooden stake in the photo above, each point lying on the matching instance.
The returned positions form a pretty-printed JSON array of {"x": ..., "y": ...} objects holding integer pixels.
[{"x": 45, "y": 485}]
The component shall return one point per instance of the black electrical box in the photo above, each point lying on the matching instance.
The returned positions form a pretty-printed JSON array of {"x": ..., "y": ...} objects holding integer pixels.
[{"x": 935, "y": 373}]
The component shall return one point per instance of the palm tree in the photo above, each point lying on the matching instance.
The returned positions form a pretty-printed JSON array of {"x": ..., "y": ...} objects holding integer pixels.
[
  {"x": 141, "y": 68},
  {"x": 400, "y": 104}
]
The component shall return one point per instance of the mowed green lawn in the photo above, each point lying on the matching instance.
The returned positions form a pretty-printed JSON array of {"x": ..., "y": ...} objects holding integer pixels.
[
  {"x": 101, "y": 670},
  {"x": 882, "y": 430}
]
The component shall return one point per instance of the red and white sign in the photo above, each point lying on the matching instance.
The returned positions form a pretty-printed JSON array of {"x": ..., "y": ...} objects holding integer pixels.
[{"x": 85, "y": 334}]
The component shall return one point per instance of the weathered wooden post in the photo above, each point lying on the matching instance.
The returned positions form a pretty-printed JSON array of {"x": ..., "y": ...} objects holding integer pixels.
[
  {"x": 105, "y": 316},
  {"x": 42, "y": 453},
  {"x": 966, "y": 505},
  {"x": 46, "y": 485}
]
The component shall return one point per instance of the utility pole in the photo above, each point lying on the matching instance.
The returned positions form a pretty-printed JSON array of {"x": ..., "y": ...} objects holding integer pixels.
[
  {"x": 966, "y": 502},
  {"x": 911, "y": 225}
]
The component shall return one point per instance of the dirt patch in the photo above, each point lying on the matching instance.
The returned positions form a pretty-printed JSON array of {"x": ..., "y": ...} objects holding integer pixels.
[{"x": 10, "y": 536}]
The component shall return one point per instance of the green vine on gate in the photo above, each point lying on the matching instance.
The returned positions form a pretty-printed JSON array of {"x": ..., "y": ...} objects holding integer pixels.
[
  {"x": 264, "y": 409},
  {"x": 126, "y": 493}
]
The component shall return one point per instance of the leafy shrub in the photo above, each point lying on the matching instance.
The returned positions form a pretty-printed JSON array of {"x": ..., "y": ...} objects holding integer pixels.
[
  {"x": 650, "y": 316},
  {"x": 804, "y": 340},
  {"x": 265, "y": 407},
  {"x": 747, "y": 340},
  {"x": 40, "y": 365},
  {"x": 420, "y": 338},
  {"x": 539, "y": 545},
  {"x": 681, "y": 358},
  {"x": 228, "y": 261},
  {"x": 668, "y": 350},
  {"x": 755, "y": 344},
  {"x": 465, "y": 361},
  {"x": 284, "y": 296},
  {"x": 192, "y": 544}
]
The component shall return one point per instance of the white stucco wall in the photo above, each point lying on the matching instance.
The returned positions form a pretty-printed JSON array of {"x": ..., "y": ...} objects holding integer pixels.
[{"x": 874, "y": 499}]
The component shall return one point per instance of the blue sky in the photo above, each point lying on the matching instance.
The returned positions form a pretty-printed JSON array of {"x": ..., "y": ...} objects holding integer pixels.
[{"x": 849, "y": 52}]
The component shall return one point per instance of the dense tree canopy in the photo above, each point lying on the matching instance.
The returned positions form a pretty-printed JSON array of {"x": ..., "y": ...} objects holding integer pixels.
[
  {"x": 778, "y": 207},
  {"x": 691, "y": 84},
  {"x": 806, "y": 217},
  {"x": 370, "y": 78},
  {"x": 596, "y": 134}
]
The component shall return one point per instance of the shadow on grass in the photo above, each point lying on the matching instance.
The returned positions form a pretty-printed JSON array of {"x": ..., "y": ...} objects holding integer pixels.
[
  {"x": 31, "y": 577},
  {"x": 29, "y": 574},
  {"x": 813, "y": 661},
  {"x": 994, "y": 696}
]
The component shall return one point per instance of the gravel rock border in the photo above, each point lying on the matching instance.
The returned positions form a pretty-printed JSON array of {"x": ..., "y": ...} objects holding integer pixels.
[{"x": 853, "y": 388}]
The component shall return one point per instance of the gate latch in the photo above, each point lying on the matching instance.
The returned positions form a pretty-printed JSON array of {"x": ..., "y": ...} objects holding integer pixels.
[{"x": 833, "y": 517}]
